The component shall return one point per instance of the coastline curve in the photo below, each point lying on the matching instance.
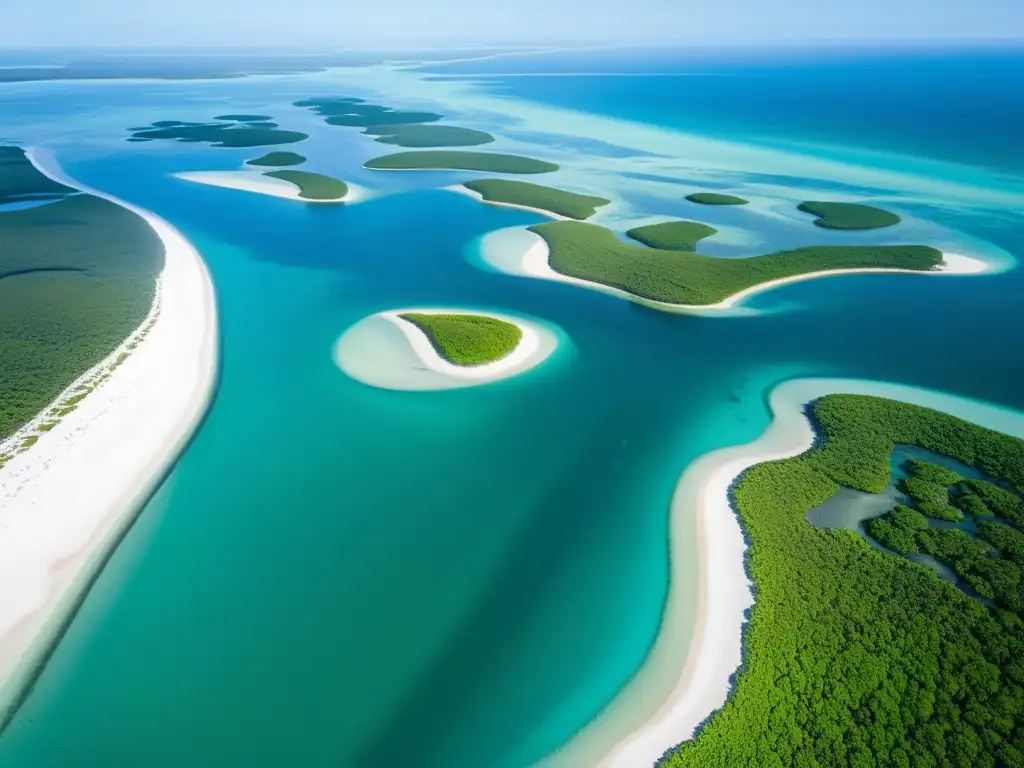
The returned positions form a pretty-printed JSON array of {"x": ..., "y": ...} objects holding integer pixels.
[
  {"x": 68, "y": 502},
  {"x": 686, "y": 677}
]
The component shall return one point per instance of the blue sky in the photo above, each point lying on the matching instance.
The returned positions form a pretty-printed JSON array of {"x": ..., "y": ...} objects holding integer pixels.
[{"x": 366, "y": 23}]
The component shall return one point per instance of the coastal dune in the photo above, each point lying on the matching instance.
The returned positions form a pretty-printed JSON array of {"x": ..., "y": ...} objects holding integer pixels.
[
  {"x": 69, "y": 499},
  {"x": 518, "y": 251},
  {"x": 686, "y": 677},
  {"x": 385, "y": 350}
]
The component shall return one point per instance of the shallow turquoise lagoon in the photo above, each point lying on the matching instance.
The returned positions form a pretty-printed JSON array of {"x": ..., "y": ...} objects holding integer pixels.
[{"x": 336, "y": 575}]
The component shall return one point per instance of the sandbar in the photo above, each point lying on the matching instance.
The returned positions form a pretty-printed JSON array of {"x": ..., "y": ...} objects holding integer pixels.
[
  {"x": 384, "y": 350},
  {"x": 250, "y": 181},
  {"x": 66, "y": 502}
]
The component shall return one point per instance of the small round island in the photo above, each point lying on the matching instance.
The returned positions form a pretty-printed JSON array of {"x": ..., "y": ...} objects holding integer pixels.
[{"x": 430, "y": 349}]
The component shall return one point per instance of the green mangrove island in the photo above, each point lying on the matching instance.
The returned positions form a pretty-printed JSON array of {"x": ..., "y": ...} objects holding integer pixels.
[
  {"x": 559, "y": 201},
  {"x": 467, "y": 339},
  {"x": 218, "y": 134},
  {"x": 593, "y": 253},
  {"x": 454, "y": 160},
  {"x": 312, "y": 186},
  {"x": 356, "y": 113},
  {"x": 278, "y": 159},
  {"x": 402, "y": 128},
  {"x": 672, "y": 235},
  {"x": 855, "y": 656},
  {"x": 715, "y": 198},
  {"x": 77, "y": 277},
  {"x": 848, "y": 215},
  {"x": 415, "y": 135}
]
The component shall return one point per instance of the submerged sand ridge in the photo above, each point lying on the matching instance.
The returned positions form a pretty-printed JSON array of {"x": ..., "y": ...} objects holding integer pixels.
[
  {"x": 387, "y": 351},
  {"x": 68, "y": 500}
]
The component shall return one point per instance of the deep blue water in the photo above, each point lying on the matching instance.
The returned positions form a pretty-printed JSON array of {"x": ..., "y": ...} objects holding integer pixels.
[
  {"x": 336, "y": 575},
  {"x": 963, "y": 105}
]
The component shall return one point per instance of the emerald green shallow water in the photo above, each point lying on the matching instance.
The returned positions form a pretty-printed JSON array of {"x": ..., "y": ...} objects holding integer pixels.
[{"x": 336, "y": 575}]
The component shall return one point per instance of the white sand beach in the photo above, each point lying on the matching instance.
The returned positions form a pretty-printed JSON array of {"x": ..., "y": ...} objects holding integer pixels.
[
  {"x": 459, "y": 189},
  {"x": 518, "y": 251},
  {"x": 384, "y": 350},
  {"x": 686, "y": 676},
  {"x": 255, "y": 181},
  {"x": 68, "y": 500}
]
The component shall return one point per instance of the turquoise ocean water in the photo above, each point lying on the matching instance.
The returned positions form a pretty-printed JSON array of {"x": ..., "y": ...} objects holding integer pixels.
[{"x": 336, "y": 575}]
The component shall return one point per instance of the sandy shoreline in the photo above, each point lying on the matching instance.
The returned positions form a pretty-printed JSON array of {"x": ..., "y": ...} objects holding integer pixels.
[
  {"x": 682, "y": 682},
  {"x": 67, "y": 501},
  {"x": 386, "y": 351},
  {"x": 255, "y": 181},
  {"x": 518, "y": 251},
  {"x": 459, "y": 189}
]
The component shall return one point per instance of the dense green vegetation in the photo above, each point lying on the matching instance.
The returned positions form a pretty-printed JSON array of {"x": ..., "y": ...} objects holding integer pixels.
[
  {"x": 950, "y": 544},
  {"x": 347, "y": 111},
  {"x": 997, "y": 500},
  {"x": 571, "y": 204},
  {"x": 468, "y": 339},
  {"x": 244, "y": 118},
  {"x": 715, "y": 198},
  {"x": 219, "y": 134},
  {"x": 931, "y": 472},
  {"x": 453, "y": 160},
  {"x": 312, "y": 186},
  {"x": 19, "y": 180},
  {"x": 856, "y": 657},
  {"x": 898, "y": 530},
  {"x": 415, "y": 135},
  {"x": 593, "y": 253},
  {"x": 394, "y": 126},
  {"x": 77, "y": 276},
  {"x": 989, "y": 564},
  {"x": 929, "y": 487},
  {"x": 971, "y": 504},
  {"x": 930, "y": 497},
  {"x": 279, "y": 159},
  {"x": 848, "y": 215},
  {"x": 1005, "y": 538},
  {"x": 672, "y": 235}
]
